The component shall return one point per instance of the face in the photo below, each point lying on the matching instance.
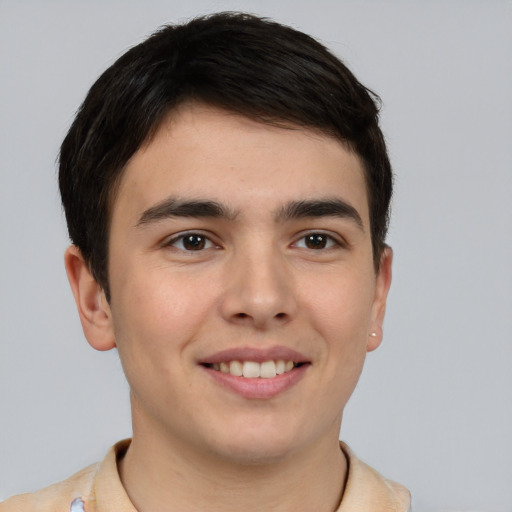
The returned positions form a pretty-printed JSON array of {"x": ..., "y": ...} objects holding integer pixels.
[{"x": 243, "y": 286}]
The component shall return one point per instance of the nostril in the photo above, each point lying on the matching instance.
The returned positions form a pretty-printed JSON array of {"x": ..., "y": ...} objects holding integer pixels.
[
  {"x": 281, "y": 315},
  {"x": 241, "y": 315}
]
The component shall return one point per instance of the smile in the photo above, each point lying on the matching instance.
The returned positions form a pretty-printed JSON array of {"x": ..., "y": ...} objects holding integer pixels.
[
  {"x": 253, "y": 369},
  {"x": 255, "y": 372}
]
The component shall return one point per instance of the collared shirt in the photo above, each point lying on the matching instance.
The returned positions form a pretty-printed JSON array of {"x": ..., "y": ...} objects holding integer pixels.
[{"x": 98, "y": 488}]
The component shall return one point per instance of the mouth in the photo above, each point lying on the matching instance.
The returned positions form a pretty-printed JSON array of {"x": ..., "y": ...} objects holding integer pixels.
[
  {"x": 253, "y": 369},
  {"x": 255, "y": 373}
]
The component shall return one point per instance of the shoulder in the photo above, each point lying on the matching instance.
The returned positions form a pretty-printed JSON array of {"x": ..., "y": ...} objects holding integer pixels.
[
  {"x": 57, "y": 497},
  {"x": 366, "y": 489},
  {"x": 397, "y": 492}
]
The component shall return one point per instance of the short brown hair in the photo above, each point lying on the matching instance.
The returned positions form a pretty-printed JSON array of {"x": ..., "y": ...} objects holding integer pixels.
[{"x": 239, "y": 62}]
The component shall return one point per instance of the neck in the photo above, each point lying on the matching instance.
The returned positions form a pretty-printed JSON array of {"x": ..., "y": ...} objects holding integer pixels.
[{"x": 161, "y": 475}]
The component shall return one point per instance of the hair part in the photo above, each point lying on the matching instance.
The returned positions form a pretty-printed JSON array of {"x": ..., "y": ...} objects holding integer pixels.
[{"x": 238, "y": 62}]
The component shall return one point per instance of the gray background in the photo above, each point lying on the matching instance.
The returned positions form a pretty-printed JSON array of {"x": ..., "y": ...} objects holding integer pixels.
[{"x": 434, "y": 406}]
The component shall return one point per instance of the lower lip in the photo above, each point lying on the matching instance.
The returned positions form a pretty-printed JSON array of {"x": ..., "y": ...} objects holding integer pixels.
[{"x": 258, "y": 388}]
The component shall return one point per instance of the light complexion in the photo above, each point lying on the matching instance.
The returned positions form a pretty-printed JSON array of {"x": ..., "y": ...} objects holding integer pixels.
[{"x": 243, "y": 295}]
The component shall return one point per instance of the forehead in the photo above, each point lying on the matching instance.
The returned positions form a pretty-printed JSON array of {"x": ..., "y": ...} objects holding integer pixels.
[{"x": 202, "y": 152}]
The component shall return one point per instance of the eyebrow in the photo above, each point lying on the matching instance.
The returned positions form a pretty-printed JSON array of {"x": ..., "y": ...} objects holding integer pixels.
[
  {"x": 320, "y": 208},
  {"x": 174, "y": 207},
  {"x": 294, "y": 210}
]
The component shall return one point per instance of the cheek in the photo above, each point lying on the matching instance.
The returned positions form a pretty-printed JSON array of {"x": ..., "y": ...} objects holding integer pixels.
[
  {"x": 155, "y": 322},
  {"x": 340, "y": 312},
  {"x": 340, "y": 304},
  {"x": 157, "y": 315}
]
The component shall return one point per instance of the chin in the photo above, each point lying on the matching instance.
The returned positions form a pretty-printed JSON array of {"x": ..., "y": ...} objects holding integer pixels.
[
  {"x": 258, "y": 446},
  {"x": 256, "y": 455}
]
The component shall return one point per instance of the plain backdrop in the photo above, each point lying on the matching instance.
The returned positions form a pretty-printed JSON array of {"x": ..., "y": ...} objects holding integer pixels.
[{"x": 433, "y": 409}]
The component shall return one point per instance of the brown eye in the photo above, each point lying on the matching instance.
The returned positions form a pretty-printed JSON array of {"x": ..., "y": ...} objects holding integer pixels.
[
  {"x": 316, "y": 241},
  {"x": 191, "y": 242},
  {"x": 194, "y": 242}
]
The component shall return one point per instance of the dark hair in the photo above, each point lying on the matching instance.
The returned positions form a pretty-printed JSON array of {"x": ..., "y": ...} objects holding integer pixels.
[{"x": 239, "y": 62}]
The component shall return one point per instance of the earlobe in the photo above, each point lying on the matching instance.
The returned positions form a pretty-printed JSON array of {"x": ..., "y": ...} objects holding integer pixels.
[
  {"x": 382, "y": 285},
  {"x": 93, "y": 308}
]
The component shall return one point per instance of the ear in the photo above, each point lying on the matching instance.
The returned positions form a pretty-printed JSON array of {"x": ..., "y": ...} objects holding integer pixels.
[
  {"x": 382, "y": 284},
  {"x": 92, "y": 305}
]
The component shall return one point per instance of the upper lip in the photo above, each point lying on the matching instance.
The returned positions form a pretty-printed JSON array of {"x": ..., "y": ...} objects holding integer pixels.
[{"x": 258, "y": 355}]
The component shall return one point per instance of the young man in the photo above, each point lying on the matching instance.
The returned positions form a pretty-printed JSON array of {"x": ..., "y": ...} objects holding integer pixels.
[{"x": 226, "y": 188}]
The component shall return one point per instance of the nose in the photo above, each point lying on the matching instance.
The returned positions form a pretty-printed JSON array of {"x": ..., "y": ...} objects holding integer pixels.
[{"x": 259, "y": 291}]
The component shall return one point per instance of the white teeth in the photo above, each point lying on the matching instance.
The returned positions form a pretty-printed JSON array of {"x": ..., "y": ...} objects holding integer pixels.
[
  {"x": 236, "y": 368},
  {"x": 268, "y": 370},
  {"x": 254, "y": 370},
  {"x": 280, "y": 367},
  {"x": 251, "y": 370}
]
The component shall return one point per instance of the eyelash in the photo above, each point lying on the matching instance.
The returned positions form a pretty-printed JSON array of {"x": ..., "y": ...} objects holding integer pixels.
[
  {"x": 181, "y": 238},
  {"x": 330, "y": 241}
]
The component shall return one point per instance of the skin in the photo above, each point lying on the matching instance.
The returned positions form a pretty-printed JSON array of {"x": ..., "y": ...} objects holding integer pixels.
[{"x": 255, "y": 283}]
